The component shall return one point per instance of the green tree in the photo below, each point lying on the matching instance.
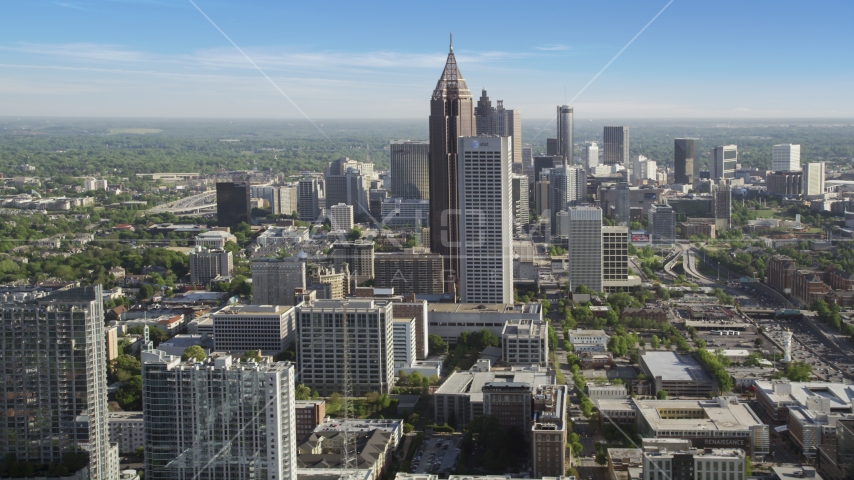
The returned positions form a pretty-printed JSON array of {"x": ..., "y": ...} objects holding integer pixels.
[
  {"x": 655, "y": 342},
  {"x": 661, "y": 395},
  {"x": 436, "y": 345},
  {"x": 195, "y": 352},
  {"x": 302, "y": 392},
  {"x": 125, "y": 366},
  {"x": 251, "y": 355},
  {"x": 146, "y": 291},
  {"x": 355, "y": 234},
  {"x": 798, "y": 371},
  {"x": 129, "y": 394}
]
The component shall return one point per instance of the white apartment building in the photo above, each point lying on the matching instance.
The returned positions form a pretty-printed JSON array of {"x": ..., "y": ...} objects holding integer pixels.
[
  {"x": 341, "y": 217},
  {"x": 185, "y": 431},
  {"x": 269, "y": 328},
  {"x": 207, "y": 264},
  {"x": 274, "y": 280},
  {"x": 404, "y": 342},
  {"x": 485, "y": 220},
  {"x": 93, "y": 184},
  {"x": 320, "y": 345},
  {"x": 525, "y": 341},
  {"x": 814, "y": 175},
  {"x": 585, "y": 248},
  {"x": 643, "y": 169},
  {"x": 126, "y": 429},
  {"x": 590, "y": 156},
  {"x": 785, "y": 158},
  {"x": 567, "y": 188}
]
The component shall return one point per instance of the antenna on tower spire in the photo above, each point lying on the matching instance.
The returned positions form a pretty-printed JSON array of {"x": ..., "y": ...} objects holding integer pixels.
[{"x": 452, "y": 41}]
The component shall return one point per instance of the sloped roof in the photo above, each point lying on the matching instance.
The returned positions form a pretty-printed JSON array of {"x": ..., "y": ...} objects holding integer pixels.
[{"x": 451, "y": 83}]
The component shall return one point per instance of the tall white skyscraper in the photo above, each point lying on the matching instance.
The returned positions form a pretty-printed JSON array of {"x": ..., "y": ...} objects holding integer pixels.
[
  {"x": 341, "y": 217},
  {"x": 814, "y": 175},
  {"x": 590, "y": 156},
  {"x": 722, "y": 162},
  {"x": 486, "y": 219},
  {"x": 786, "y": 158},
  {"x": 585, "y": 248},
  {"x": 54, "y": 362},
  {"x": 217, "y": 419},
  {"x": 274, "y": 280},
  {"x": 643, "y": 169}
]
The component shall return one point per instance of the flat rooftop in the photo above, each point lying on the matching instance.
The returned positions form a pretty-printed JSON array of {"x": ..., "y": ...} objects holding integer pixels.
[
  {"x": 841, "y": 395},
  {"x": 719, "y": 414},
  {"x": 474, "y": 308},
  {"x": 472, "y": 383},
  {"x": 672, "y": 367},
  {"x": 525, "y": 327}
]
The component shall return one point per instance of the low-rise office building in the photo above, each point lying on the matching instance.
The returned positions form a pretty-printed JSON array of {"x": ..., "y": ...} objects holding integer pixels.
[
  {"x": 677, "y": 459},
  {"x": 812, "y": 426},
  {"x": 617, "y": 411},
  {"x": 269, "y": 328},
  {"x": 776, "y": 396},
  {"x": 525, "y": 341},
  {"x": 461, "y": 397},
  {"x": 308, "y": 414},
  {"x": 449, "y": 320},
  {"x": 625, "y": 463},
  {"x": 588, "y": 337},
  {"x": 126, "y": 429},
  {"x": 678, "y": 375},
  {"x": 605, "y": 392},
  {"x": 715, "y": 423}
]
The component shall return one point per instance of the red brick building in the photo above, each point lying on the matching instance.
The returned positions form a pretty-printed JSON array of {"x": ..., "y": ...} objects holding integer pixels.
[
  {"x": 780, "y": 271},
  {"x": 839, "y": 279},
  {"x": 808, "y": 286}
]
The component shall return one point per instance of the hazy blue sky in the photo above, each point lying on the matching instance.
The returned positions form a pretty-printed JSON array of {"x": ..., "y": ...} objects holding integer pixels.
[{"x": 382, "y": 59}]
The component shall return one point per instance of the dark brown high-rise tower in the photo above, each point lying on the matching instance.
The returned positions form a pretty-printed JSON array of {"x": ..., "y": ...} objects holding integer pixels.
[{"x": 451, "y": 116}]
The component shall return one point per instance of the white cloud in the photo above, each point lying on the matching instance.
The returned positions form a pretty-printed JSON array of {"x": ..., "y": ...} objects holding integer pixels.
[{"x": 552, "y": 47}]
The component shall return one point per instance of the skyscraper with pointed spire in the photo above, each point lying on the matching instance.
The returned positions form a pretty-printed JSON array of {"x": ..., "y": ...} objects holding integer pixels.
[{"x": 451, "y": 117}]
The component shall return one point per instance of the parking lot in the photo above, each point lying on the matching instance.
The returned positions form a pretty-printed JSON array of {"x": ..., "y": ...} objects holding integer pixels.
[
  {"x": 808, "y": 347},
  {"x": 438, "y": 453}
]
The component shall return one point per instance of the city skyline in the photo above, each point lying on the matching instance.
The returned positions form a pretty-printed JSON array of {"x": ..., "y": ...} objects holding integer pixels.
[{"x": 102, "y": 58}]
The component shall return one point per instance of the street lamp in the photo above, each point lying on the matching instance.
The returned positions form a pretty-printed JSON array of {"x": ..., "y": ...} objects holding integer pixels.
[{"x": 719, "y": 271}]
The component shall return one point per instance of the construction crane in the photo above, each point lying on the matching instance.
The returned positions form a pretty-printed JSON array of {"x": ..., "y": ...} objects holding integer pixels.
[{"x": 348, "y": 451}]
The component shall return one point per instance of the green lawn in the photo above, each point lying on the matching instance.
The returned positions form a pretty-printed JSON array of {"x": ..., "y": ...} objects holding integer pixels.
[{"x": 767, "y": 213}]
